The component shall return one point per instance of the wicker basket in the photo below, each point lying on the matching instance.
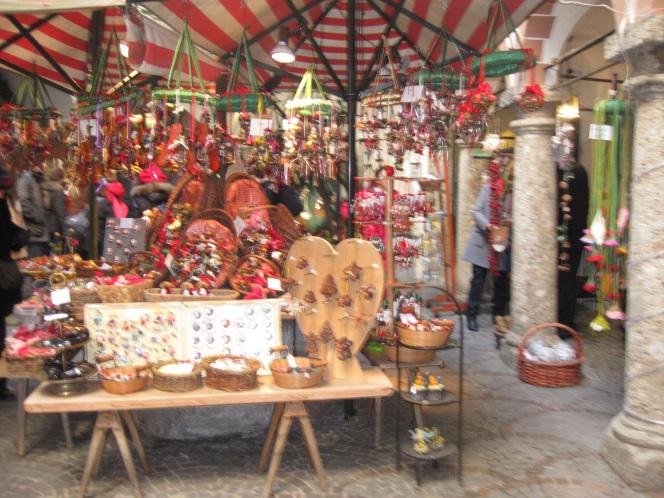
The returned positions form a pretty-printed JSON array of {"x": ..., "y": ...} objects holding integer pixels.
[
  {"x": 115, "y": 386},
  {"x": 228, "y": 380},
  {"x": 242, "y": 191},
  {"x": 123, "y": 293},
  {"x": 288, "y": 380},
  {"x": 24, "y": 367},
  {"x": 88, "y": 272},
  {"x": 423, "y": 339},
  {"x": 176, "y": 383},
  {"x": 142, "y": 263},
  {"x": 408, "y": 355},
  {"x": 550, "y": 374},
  {"x": 281, "y": 220},
  {"x": 80, "y": 297},
  {"x": 154, "y": 296},
  {"x": 243, "y": 261},
  {"x": 216, "y": 221},
  {"x": 229, "y": 260}
]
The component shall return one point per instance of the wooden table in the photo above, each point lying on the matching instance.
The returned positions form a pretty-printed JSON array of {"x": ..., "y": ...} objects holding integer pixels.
[
  {"x": 23, "y": 381},
  {"x": 114, "y": 413}
]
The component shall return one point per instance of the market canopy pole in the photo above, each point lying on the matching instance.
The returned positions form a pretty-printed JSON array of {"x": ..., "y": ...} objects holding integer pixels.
[{"x": 352, "y": 104}]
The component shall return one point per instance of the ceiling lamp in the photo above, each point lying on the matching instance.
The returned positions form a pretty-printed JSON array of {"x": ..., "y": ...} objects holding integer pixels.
[
  {"x": 569, "y": 110},
  {"x": 124, "y": 49},
  {"x": 282, "y": 52}
]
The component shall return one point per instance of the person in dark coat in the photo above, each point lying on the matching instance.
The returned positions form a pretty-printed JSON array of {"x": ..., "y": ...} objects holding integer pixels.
[
  {"x": 12, "y": 238},
  {"x": 29, "y": 195},
  {"x": 283, "y": 194},
  {"x": 477, "y": 253},
  {"x": 53, "y": 196},
  {"x": 567, "y": 280},
  {"x": 152, "y": 191}
]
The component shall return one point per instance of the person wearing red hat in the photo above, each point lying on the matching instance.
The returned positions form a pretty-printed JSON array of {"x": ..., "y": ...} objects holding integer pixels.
[{"x": 153, "y": 190}]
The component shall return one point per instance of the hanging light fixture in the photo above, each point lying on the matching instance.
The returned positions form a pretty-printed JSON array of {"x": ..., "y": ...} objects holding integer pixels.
[
  {"x": 282, "y": 52},
  {"x": 569, "y": 110}
]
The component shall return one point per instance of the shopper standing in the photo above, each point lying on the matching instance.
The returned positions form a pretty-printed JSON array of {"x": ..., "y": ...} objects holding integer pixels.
[
  {"x": 12, "y": 238},
  {"x": 30, "y": 197},
  {"x": 53, "y": 196},
  {"x": 478, "y": 252}
]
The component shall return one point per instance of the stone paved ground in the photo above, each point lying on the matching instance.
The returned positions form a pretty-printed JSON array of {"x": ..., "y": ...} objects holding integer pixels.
[{"x": 520, "y": 441}]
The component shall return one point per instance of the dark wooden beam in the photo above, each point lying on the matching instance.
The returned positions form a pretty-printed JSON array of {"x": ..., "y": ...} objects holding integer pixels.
[
  {"x": 274, "y": 26},
  {"x": 44, "y": 53},
  {"x": 314, "y": 44},
  {"x": 14, "y": 38},
  {"x": 432, "y": 27},
  {"x": 25, "y": 72},
  {"x": 274, "y": 81},
  {"x": 396, "y": 28}
]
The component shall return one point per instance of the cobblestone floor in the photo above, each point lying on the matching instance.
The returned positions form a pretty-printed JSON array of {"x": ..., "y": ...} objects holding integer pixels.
[{"x": 520, "y": 441}]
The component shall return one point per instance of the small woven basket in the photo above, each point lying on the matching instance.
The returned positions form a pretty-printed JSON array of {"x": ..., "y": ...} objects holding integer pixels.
[
  {"x": 284, "y": 377},
  {"x": 545, "y": 373},
  {"x": 424, "y": 339},
  {"x": 229, "y": 259},
  {"x": 281, "y": 220},
  {"x": 244, "y": 260},
  {"x": 123, "y": 293},
  {"x": 24, "y": 367},
  {"x": 217, "y": 222},
  {"x": 142, "y": 263},
  {"x": 230, "y": 380},
  {"x": 80, "y": 297},
  {"x": 115, "y": 386},
  {"x": 176, "y": 383},
  {"x": 408, "y": 355},
  {"x": 91, "y": 272},
  {"x": 155, "y": 296}
]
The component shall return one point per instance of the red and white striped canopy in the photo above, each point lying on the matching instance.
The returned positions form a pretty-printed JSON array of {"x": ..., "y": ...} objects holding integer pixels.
[{"x": 216, "y": 27}]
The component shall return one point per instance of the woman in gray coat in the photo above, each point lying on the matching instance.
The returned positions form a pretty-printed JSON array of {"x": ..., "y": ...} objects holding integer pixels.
[
  {"x": 29, "y": 194},
  {"x": 477, "y": 253}
]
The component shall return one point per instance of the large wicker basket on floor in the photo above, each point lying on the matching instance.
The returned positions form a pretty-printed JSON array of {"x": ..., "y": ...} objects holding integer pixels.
[
  {"x": 231, "y": 380},
  {"x": 545, "y": 373},
  {"x": 176, "y": 383}
]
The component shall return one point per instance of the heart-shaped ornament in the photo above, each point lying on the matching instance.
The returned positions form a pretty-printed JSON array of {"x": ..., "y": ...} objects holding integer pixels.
[{"x": 341, "y": 290}]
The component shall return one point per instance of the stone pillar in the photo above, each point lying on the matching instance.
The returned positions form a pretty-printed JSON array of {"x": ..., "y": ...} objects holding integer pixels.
[
  {"x": 468, "y": 176},
  {"x": 534, "y": 296},
  {"x": 634, "y": 442}
]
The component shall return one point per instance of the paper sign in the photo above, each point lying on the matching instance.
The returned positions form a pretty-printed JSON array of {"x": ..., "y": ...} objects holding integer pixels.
[
  {"x": 276, "y": 255},
  {"x": 600, "y": 132},
  {"x": 60, "y": 296},
  {"x": 55, "y": 316},
  {"x": 412, "y": 93},
  {"x": 239, "y": 225},
  {"x": 168, "y": 261},
  {"x": 274, "y": 284},
  {"x": 258, "y": 126},
  {"x": 126, "y": 222}
]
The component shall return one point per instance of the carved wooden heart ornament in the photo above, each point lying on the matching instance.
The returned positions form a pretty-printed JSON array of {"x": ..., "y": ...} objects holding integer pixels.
[{"x": 341, "y": 290}]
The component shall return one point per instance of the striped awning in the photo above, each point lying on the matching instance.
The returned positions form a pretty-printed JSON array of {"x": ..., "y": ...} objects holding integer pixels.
[{"x": 318, "y": 33}]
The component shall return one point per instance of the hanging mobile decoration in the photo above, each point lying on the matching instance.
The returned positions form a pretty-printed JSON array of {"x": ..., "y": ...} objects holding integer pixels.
[{"x": 606, "y": 237}]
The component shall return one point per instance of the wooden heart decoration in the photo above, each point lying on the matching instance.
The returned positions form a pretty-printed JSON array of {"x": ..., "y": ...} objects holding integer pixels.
[{"x": 341, "y": 290}]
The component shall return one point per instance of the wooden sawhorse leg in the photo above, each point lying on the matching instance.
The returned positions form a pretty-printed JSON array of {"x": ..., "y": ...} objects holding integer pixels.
[
  {"x": 290, "y": 411},
  {"x": 112, "y": 421}
]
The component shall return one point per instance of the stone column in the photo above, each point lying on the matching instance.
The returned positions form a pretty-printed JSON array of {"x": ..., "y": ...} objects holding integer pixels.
[
  {"x": 468, "y": 182},
  {"x": 534, "y": 296},
  {"x": 634, "y": 442}
]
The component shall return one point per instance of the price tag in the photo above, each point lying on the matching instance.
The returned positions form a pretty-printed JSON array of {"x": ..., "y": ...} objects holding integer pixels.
[
  {"x": 169, "y": 262},
  {"x": 274, "y": 284},
  {"x": 412, "y": 93},
  {"x": 55, "y": 316},
  {"x": 600, "y": 132},
  {"x": 408, "y": 318},
  {"x": 60, "y": 296},
  {"x": 239, "y": 225},
  {"x": 126, "y": 222},
  {"x": 276, "y": 255},
  {"x": 258, "y": 126}
]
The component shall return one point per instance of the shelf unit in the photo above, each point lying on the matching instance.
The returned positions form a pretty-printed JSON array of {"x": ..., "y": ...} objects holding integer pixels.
[{"x": 443, "y": 296}]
